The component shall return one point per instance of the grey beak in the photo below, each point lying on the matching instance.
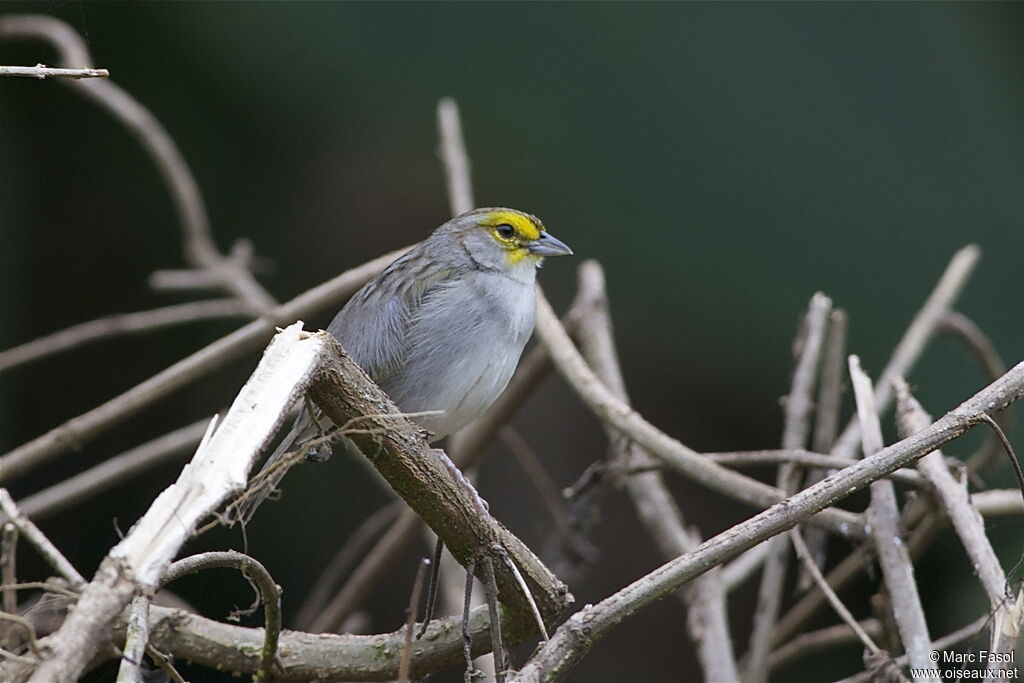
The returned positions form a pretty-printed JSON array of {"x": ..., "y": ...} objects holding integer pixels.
[{"x": 546, "y": 245}]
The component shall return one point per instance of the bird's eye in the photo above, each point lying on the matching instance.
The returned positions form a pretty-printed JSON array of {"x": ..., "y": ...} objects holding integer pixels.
[{"x": 505, "y": 231}]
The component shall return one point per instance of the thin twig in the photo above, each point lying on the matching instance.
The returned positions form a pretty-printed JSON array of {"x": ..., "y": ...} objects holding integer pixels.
[
  {"x": 808, "y": 644},
  {"x": 164, "y": 662},
  {"x": 435, "y": 573},
  {"x": 378, "y": 560},
  {"x": 467, "y": 603},
  {"x": 121, "y": 324},
  {"x": 256, "y": 573},
  {"x": 826, "y": 424},
  {"x": 410, "y": 621},
  {"x": 497, "y": 645},
  {"x": 883, "y": 516},
  {"x": 30, "y": 631},
  {"x": 114, "y": 471},
  {"x": 805, "y": 557},
  {"x": 8, "y": 566},
  {"x": 538, "y": 476},
  {"x": 36, "y": 537},
  {"x": 963, "y": 328},
  {"x": 42, "y": 71},
  {"x": 135, "y": 641}
]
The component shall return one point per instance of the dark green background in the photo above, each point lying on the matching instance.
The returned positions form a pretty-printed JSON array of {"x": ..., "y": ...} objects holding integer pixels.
[{"x": 722, "y": 161}]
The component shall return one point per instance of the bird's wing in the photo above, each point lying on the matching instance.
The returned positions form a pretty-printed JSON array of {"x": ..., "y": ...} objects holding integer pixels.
[{"x": 373, "y": 327}]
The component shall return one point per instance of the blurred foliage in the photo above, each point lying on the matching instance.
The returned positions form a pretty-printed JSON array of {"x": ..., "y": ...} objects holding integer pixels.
[{"x": 723, "y": 161}]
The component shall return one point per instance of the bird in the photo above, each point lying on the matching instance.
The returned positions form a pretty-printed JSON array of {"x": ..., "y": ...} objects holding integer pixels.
[{"x": 441, "y": 328}]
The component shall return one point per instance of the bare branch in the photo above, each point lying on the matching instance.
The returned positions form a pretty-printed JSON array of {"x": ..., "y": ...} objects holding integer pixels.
[
  {"x": 259, "y": 577},
  {"x": 410, "y": 622},
  {"x": 122, "y": 323},
  {"x": 429, "y": 482},
  {"x": 805, "y": 557},
  {"x": 826, "y": 423},
  {"x": 805, "y": 459},
  {"x": 34, "y": 536},
  {"x": 218, "y": 470},
  {"x": 998, "y": 502},
  {"x": 42, "y": 71},
  {"x": 570, "y": 642},
  {"x": 708, "y": 620},
  {"x": 611, "y": 410},
  {"x": 954, "y": 499},
  {"x": 248, "y": 338},
  {"x": 135, "y": 640},
  {"x": 114, "y": 471},
  {"x": 884, "y": 518}
]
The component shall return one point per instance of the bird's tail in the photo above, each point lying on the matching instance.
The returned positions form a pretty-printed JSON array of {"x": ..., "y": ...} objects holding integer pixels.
[{"x": 270, "y": 475}]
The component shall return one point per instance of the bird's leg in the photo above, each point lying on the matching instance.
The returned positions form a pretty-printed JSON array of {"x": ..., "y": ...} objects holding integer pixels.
[
  {"x": 322, "y": 452},
  {"x": 467, "y": 642},
  {"x": 435, "y": 573}
]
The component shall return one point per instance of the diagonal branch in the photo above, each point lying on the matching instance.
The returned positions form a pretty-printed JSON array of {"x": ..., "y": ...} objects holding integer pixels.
[
  {"x": 611, "y": 410},
  {"x": 572, "y": 640},
  {"x": 883, "y": 514},
  {"x": 431, "y": 484}
]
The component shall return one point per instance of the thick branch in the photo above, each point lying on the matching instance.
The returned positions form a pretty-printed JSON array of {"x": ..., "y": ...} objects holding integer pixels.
[
  {"x": 429, "y": 483},
  {"x": 218, "y": 470}
]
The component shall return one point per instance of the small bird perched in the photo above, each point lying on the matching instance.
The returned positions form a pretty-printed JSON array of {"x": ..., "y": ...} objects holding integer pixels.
[{"x": 441, "y": 329}]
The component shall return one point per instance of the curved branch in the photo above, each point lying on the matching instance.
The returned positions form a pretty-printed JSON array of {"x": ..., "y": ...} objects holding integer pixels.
[
  {"x": 610, "y": 410},
  {"x": 259, "y": 577}
]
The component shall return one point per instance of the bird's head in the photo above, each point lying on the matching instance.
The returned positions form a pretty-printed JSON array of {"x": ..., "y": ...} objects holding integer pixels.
[{"x": 506, "y": 239}]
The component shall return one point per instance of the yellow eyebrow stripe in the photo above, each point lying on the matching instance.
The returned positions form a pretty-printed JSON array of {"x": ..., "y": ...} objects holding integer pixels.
[{"x": 524, "y": 225}]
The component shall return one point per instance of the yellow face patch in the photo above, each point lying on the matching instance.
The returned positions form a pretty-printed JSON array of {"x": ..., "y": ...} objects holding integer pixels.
[{"x": 525, "y": 227}]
